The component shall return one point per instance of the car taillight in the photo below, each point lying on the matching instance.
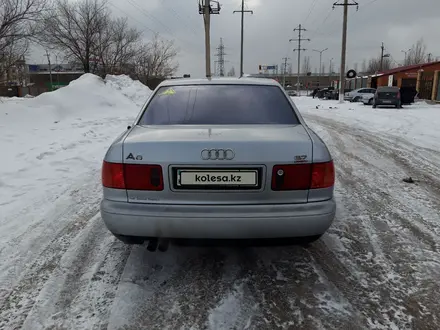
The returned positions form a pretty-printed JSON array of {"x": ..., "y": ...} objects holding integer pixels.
[
  {"x": 132, "y": 176},
  {"x": 113, "y": 175},
  {"x": 323, "y": 175},
  {"x": 303, "y": 176}
]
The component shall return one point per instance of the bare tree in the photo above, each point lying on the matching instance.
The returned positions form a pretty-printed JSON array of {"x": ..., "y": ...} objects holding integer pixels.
[
  {"x": 373, "y": 65},
  {"x": 18, "y": 20},
  {"x": 306, "y": 65},
  {"x": 11, "y": 57},
  {"x": 76, "y": 29},
  {"x": 417, "y": 54},
  {"x": 156, "y": 59},
  {"x": 364, "y": 66},
  {"x": 118, "y": 46},
  {"x": 231, "y": 73}
]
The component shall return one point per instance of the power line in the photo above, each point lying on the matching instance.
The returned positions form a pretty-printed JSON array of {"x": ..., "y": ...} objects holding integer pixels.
[
  {"x": 299, "y": 49},
  {"x": 311, "y": 9},
  {"x": 329, "y": 32},
  {"x": 176, "y": 14},
  {"x": 148, "y": 28}
]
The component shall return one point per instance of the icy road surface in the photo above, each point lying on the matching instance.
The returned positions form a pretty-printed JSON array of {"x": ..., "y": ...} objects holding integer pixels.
[{"x": 377, "y": 268}]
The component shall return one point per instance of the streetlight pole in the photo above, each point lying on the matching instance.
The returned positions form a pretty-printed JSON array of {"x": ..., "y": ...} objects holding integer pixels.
[
  {"x": 320, "y": 59},
  {"x": 405, "y": 51}
]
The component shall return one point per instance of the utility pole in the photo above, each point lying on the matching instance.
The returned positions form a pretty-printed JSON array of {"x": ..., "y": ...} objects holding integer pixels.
[
  {"x": 429, "y": 57},
  {"x": 330, "y": 70},
  {"x": 285, "y": 70},
  {"x": 221, "y": 59},
  {"x": 344, "y": 45},
  {"x": 50, "y": 70},
  {"x": 382, "y": 56},
  {"x": 320, "y": 59},
  {"x": 242, "y": 11},
  {"x": 382, "y": 49},
  {"x": 207, "y": 10},
  {"x": 299, "y": 49}
]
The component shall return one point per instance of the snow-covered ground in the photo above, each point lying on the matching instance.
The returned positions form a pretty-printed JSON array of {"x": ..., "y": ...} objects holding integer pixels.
[{"x": 377, "y": 268}]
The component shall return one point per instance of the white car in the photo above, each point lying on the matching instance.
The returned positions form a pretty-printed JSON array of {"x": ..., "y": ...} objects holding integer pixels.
[
  {"x": 218, "y": 159},
  {"x": 356, "y": 95},
  {"x": 367, "y": 99}
]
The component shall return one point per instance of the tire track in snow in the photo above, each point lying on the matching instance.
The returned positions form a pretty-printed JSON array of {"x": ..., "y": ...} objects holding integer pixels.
[
  {"x": 409, "y": 265},
  {"x": 80, "y": 291},
  {"x": 29, "y": 259}
]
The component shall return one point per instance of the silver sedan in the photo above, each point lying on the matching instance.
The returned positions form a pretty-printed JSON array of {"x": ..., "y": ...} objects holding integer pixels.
[{"x": 218, "y": 159}]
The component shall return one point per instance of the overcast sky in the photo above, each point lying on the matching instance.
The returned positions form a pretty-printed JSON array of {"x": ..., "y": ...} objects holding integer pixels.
[{"x": 397, "y": 23}]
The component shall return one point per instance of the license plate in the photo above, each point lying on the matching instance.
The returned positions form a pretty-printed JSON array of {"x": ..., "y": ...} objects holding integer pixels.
[
  {"x": 385, "y": 101},
  {"x": 239, "y": 178}
]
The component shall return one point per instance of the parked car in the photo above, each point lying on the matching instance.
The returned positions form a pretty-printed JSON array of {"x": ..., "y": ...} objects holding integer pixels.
[
  {"x": 325, "y": 93},
  {"x": 356, "y": 95},
  {"x": 218, "y": 159},
  {"x": 389, "y": 96},
  {"x": 291, "y": 92},
  {"x": 367, "y": 99}
]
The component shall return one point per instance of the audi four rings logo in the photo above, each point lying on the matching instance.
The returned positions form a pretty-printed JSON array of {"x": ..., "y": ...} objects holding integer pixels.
[{"x": 217, "y": 154}]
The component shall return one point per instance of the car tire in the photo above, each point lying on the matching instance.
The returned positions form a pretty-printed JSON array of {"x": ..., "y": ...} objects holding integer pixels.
[
  {"x": 130, "y": 240},
  {"x": 356, "y": 99}
]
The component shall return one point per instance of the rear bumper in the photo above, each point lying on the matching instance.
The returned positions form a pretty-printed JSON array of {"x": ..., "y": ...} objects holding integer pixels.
[
  {"x": 387, "y": 102},
  {"x": 218, "y": 221}
]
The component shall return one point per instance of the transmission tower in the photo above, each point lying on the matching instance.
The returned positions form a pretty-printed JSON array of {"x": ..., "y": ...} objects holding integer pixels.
[{"x": 220, "y": 68}]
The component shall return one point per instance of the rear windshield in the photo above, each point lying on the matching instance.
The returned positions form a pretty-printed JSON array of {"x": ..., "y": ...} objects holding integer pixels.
[{"x": 219, "y": 105}]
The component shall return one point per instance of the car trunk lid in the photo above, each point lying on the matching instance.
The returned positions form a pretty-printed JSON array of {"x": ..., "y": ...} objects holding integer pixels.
[{"x": 251, "y": 149}]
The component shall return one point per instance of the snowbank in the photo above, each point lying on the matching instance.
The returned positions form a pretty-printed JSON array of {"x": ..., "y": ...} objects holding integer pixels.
[
  {"x": 417, "y": 123},
  {"x": 133, "y": 89},
  {"x": 51, "y": 141}
]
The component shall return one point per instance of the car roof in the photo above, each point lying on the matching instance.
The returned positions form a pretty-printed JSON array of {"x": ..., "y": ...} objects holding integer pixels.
[
  {"x": 389, "y": 88},
  {"x": 219, "y": 81}
]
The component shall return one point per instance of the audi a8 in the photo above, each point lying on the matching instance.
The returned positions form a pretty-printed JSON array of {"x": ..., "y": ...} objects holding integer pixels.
[{"x": 218, "y": 159}]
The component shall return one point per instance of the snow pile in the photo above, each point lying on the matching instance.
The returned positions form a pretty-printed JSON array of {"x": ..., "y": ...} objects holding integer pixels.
[
  {"x": 417, "y": 123},
  {"x": 133, "y": 89},
  {"x": 55, "y": 140}
]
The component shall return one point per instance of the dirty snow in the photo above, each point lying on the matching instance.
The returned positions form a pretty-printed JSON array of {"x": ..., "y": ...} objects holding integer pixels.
[{"x": 377, "y": 268}]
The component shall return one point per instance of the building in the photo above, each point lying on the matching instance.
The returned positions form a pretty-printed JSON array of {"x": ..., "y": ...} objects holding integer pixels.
[{"x": 423, "y": 77}]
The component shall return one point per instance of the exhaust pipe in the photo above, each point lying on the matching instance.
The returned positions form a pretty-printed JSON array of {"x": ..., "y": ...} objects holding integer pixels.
[{"x": 152, "y": 245}]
